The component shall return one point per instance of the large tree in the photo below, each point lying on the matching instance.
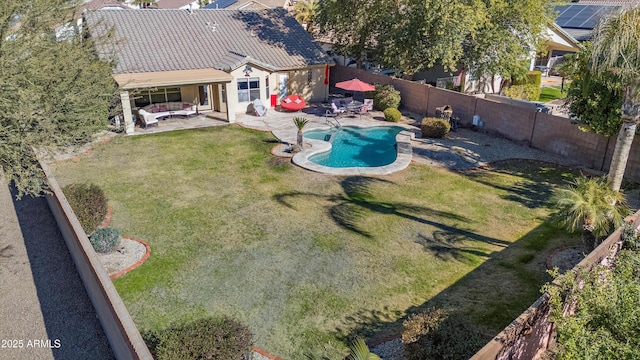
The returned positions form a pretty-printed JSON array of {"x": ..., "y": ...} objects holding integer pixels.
[
  {"x": 426, "y": 33},
  {"x": 53, "y": 93},
  {"x": 354, "y": 26},
  {"x": 616, "y": 50},
  {"x": 485, "y": 36},
  {"x": 594, "y": 100},
  {"x": 511, "y": 31}
]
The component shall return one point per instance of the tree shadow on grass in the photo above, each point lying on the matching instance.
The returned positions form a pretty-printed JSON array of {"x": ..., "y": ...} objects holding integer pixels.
[
  {"x": 537, "y": 184},
  {"x": 348, "y": 209},
  {"x": 446, "y": 245}
]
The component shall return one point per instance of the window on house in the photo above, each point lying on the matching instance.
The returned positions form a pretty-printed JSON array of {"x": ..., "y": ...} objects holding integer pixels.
[
  {"x": 266, "y": 82},
  {"x": 146, "y": 97},
  {"x": 309, "y": 77},
  {"x": 248, "y": 89}
]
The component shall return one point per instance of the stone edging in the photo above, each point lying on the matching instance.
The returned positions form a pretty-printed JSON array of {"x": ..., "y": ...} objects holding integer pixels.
[
  {"x": 265, "y": 354},
  {"x": 137, "y": 263},
  {"x": 276, "y": 151}
]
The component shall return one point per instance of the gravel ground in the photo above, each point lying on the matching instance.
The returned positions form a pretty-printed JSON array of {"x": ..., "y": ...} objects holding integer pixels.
[
  {"x": 127, "y": 253},
  {"x": 465, "y": 149},
  {"x": 43, "y": 299}
]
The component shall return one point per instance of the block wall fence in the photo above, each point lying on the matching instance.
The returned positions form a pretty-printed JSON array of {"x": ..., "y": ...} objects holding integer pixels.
[
  {"x": 123, "y": 335},
  {"x": 546, "y": 132}
]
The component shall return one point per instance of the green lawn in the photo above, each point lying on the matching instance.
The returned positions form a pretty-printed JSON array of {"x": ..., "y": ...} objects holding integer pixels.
[
  {"x": 549, "y": 93},
  {"x": 308, "y": 260}
]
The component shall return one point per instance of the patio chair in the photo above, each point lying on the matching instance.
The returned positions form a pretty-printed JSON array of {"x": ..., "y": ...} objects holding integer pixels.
[
  {"x": 363, "y": 110},
  {"x": 369, "y": 103},
  {"x": 260, "y": 109},
  {"x": 337, "y": 110}
]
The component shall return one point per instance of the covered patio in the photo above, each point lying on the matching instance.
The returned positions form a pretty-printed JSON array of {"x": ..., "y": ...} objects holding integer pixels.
[
  {"x": 188, "y": 81},
  {"x": 201, "y": 120}
]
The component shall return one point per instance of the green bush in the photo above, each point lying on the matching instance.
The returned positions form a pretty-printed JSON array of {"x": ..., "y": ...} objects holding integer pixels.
[
  {"x": 606, "y": 322},
  {"x": 434, "y": 127},
  {"x": 88, "y": 203},
  {"x": 386, "y": 96},
  {"x": 529, "y": 92},
  {"x": 105, "y": 239},
  {"x": 630, "y": 238},
  {"x": 392, "y": 114},
  {"x": 439, "y": 334},
  {"x": 208, "y": 338},
  {"x": 533, "y": 77}
]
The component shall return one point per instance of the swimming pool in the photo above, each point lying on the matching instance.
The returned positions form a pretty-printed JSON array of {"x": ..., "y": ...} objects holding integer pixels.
[{"x": 356, "y": 147}]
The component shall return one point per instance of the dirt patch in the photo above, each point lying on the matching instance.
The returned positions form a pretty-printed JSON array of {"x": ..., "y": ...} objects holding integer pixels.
[{"x": 565, "y": 259}]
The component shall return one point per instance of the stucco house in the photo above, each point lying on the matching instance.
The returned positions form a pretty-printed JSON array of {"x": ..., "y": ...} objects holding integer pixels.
[{"x": 217, "y": 60}]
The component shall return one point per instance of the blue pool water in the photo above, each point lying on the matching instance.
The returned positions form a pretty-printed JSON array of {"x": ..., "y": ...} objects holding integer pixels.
[{"x": 357, "y": 147}]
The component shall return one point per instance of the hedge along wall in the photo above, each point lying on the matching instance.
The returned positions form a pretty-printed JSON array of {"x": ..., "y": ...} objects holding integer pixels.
[
  {"x": 531, "y": 334},
  {"x": 553, "y": 134},
  {"x": 123, "y": 335}
]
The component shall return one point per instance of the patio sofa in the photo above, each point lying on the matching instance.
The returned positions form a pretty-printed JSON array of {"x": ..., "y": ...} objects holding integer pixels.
[{"x": 150, "y": 114}]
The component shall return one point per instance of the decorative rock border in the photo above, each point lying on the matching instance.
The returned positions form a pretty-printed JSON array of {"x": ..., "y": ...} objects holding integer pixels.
[
  {"x": 263, "y": 355},
  {"x": 137, "y": 263}
]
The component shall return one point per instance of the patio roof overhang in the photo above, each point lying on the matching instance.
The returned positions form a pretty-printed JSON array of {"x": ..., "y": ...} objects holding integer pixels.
[{"x": 171, "y": 78}]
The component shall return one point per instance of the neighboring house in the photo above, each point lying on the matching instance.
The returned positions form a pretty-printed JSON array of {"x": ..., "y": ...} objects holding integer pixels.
[
  {"x": 219, "y": 60},
  {"x": 251, "y": 4},
  {"x": 220, "y": 4},
  {"x": 176, "y": 4},
  {"x": 559, "y": 42}
]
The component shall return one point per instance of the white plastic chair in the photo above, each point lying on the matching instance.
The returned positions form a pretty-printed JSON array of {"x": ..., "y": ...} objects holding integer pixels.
[
  {"x": 369, "y": 104},
  {"x": 260, "y": 109},
  {"x": 336, "y": 109}
]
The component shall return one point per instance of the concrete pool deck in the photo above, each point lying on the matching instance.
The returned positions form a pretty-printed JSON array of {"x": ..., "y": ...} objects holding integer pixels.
[{"x": 282, "y": 126}]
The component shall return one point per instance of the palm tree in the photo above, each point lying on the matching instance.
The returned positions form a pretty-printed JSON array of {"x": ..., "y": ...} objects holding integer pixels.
[
  {"x": 592, "y": 206},
  {"x": 616, "y": 50},
  {"x": 300, "y": 124},
  {"x": 305, "y": 12},
  {"x": 360, "y": 351}
]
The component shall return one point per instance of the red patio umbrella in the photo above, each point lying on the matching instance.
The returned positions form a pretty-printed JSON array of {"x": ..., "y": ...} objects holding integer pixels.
[{"x": 355, "y": 85}]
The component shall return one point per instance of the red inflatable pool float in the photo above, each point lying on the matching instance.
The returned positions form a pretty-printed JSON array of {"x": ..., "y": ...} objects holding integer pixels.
[{"x": 293, "y": 103}]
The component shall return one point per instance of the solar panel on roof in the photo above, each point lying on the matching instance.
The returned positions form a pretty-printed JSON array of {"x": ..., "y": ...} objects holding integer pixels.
[
  {"x": 581, "y": 16},
  {"x": 220, "y": 4}
]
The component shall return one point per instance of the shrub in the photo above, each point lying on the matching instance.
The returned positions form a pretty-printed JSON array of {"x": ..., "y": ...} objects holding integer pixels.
[
  {"x": 386, "y": 96},
  {"x": 392, "y": 114},
  {"x": 606, "y": 322},
  {"x": 208, "y": 338},
  {"x": 630, "y": 239},
  {"x": 88, "y": 203},
  {"x": 105, "y": 239},
  {"x": 533, "y": 77},
  {"x": 439, "y": 334},
  {"x": 435, "y": 127},
  {"x": 528, "y": 92}
]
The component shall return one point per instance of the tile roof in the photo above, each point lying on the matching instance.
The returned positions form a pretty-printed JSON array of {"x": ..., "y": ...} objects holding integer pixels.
[{"x": 149, "y": 40}]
